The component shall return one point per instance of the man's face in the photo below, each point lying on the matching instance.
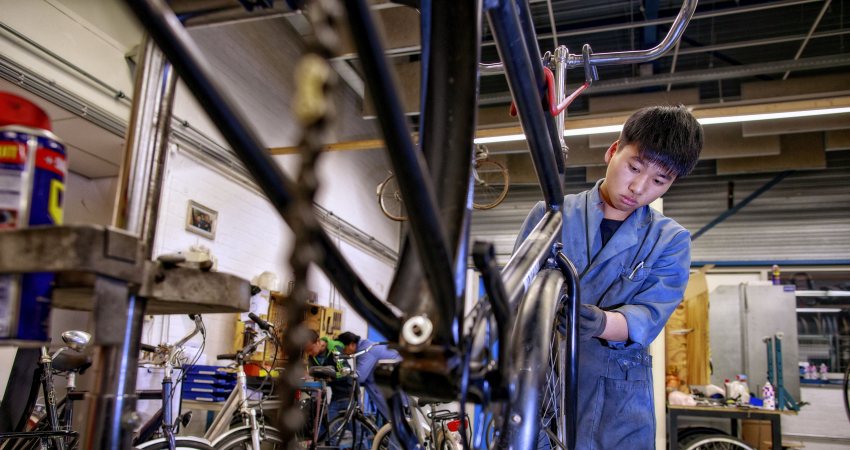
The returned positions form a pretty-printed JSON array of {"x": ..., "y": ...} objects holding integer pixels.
[
  {"x": 631, "y": 182},
  {"x": 350, "y": 348},
  {"x": 312, "y": 349},
  {"x": 323, "y": 345}
]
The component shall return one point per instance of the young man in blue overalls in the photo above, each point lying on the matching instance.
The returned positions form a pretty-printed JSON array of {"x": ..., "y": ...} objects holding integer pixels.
[{"x": 633, "y": 264}]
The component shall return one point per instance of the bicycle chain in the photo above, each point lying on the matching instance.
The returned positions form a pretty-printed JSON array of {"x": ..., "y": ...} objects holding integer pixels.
[{"x": 315, "y": 112}]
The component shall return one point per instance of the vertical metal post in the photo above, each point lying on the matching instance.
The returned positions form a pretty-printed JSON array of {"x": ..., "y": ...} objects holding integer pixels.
[
  {"x": 560, "y": 60},
  {"x": 118, "y": 311},
  {"x": 779, "y": 386},
  {"x": 770, "y": 378}
]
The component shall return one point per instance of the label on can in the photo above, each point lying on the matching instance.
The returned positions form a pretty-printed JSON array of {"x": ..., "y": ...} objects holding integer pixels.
[{"x": 33, "y": 167}]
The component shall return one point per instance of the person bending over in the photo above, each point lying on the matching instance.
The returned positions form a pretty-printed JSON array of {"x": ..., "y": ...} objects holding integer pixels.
[{"x": 633, "y": 264}]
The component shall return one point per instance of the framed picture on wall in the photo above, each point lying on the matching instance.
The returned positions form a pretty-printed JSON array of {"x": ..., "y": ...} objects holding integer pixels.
[{"x": 201, "y": 220}]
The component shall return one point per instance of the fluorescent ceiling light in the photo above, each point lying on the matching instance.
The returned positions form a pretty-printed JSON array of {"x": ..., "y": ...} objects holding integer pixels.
[
  {"x": 704, "y": 121},
  {"x": 819, "y": 310},
  {"x": 773, "y": 116}
]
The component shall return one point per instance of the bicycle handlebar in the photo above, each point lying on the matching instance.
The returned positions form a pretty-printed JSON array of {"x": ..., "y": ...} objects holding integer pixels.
[
  {"x": 148, "y": 348},
  {"x": 361, "y": 352},
  {"x": 264, "y": 325},
  {"x": 677, "y": 28}
]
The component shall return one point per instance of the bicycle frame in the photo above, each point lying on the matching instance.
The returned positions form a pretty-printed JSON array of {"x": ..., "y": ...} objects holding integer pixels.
[{"x": 436, "y": 250}]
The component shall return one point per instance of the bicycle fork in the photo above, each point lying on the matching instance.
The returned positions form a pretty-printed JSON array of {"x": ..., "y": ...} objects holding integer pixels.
[
  {"x": 167, "y": 419},
  {"x": 248, "y": 414}
]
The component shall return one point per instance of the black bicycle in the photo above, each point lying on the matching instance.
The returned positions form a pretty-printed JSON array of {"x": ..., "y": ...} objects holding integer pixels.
[
  {"x": 526, "y": 386},
  {"x": 51, "y": 425}
]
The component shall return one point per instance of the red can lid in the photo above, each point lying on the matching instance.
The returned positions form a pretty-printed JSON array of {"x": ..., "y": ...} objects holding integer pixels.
[{"x": 15, "y": 110}]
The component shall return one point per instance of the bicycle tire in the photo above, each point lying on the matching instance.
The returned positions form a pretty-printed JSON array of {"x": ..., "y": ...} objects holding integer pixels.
[
  {"x": 535, "y": 372},
  {"x": 240, "y": 438},
  {"x": 714, "y": 442},
  {"x": 182, "y": 442},
  {"x": 389, "y": 199},
  {"x": 363, "y": 424},
  {"x": 846, "y": 389},
  {"x": 382, "y": 437},
  {"x": 490, "y": 184}
]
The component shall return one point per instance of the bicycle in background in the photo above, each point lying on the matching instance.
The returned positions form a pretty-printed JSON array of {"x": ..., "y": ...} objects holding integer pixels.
[
  {"x": 50, "y": 426},
  {"x": 160, "y": 431}
]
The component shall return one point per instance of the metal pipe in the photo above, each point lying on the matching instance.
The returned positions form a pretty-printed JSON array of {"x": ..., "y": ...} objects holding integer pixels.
[
  {"x": 117, "y": 94},
  {"x": 176, "y": 43},
  {"x": 524, "y": 88},
  {"x": 560, "y": 60},
  {"x": 641, "y": 56},
  {"x": 134, "y": 179},
  {"x": 809, "y": 34},
  {"x": 159, "y": 154},
  {"x": 429, "y": 235},
  {"x": 531, "y": 253},
  {"x": 552, "y": 23}
]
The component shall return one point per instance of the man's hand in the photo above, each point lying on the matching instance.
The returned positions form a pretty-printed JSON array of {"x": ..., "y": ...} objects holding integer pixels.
[{"x": 592, "y": 322}]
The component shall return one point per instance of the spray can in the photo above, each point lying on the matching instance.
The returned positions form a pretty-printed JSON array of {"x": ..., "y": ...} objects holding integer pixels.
[
  {"x": 768, "y": 396},
  {"x": 33, "y": 168}
]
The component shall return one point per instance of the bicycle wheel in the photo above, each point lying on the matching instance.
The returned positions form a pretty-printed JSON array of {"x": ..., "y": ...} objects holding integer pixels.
[
  {"x": 490, "y": 184},
  {"x": 389, "y": 198},
  {"x": 847, "y": 391},
  {"x": 714, "y": 442},
  {"x": 240, "y": 439},
  {"x": 358, "y": 434},
  {"x": 383, "y": 438},
  {"x": 182, "y": 442},
  {"x": 534, "y": 413}
]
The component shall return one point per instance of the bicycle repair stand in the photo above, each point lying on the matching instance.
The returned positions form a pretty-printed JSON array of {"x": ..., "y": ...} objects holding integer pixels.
[
  {"x": 108, "y": 270},
  {"x": 784, "y": 399}
]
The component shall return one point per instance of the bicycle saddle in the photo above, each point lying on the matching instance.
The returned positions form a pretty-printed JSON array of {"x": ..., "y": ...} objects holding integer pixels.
[
  {"x": 69, "y": 362},
  {"x": 323, "y": 372}
]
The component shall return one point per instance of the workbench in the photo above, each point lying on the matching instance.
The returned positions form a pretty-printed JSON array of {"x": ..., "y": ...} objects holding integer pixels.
[{"x": 734, "y": 414}]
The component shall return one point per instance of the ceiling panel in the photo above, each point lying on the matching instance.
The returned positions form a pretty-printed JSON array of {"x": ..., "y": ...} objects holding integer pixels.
[
  {"x": 88, "y": 165},
  {"x": 87, "y": 136}
]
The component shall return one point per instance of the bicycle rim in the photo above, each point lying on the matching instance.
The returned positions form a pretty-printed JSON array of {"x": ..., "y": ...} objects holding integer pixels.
[
  {"x": 182, "y": 442},
  {"x": 358, "y": 434},
  {"x": 712, "y": 442},
  {"x": 389, "y": 198},
  {"x": 240, "y": 439},
  {"x": 490, "y": 184}
]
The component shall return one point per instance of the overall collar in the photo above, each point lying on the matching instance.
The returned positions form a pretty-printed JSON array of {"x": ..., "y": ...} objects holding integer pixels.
[{"x": 626, "y": 236}]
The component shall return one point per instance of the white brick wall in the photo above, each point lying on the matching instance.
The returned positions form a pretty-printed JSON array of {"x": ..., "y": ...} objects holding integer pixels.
[{"x": 251, "y": 238}]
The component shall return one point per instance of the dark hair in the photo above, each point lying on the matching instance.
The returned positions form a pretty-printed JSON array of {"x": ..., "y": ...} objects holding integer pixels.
[
  {"x": 312, "y": 336},
  {"x": 348, "y": 337},
  {"x": 669, "y": 136}
]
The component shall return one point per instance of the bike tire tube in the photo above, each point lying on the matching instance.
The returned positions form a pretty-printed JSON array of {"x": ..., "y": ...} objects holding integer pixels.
[
  {"x": 237, "y": 436},
  {"x": 181, "y": 442},
  {"x": 530, "y": 349}
]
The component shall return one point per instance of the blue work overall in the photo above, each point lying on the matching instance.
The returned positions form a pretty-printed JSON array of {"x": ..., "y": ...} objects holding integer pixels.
[{"x": 641, "y": 272}]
